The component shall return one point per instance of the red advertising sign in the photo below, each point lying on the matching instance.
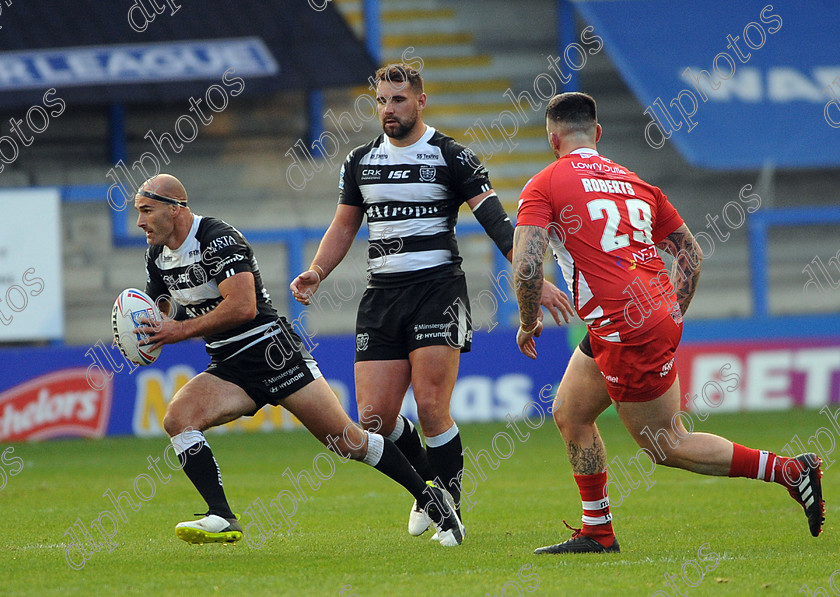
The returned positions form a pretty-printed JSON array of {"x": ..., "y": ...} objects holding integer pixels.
[
  {"x": 59, "y": 404},
  {"x": 760, "y": 375}
]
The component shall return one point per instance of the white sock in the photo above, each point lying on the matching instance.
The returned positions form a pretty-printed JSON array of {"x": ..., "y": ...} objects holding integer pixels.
[
  {"x": 438, "y": 440},
  {"x": 187, "y": 439},
  {"x": 376, "y": 445},
  {"x": 398, "y": 429}
]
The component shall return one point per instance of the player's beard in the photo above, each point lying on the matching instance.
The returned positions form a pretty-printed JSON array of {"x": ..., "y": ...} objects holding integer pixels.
[{"x": 403, "y": 128}]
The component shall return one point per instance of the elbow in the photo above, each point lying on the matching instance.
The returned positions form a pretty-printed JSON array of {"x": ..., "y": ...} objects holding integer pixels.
[
  {"x": 247, "y": 312},
  {"x": 251, "y": 312},
  {"x": 525, "y": 269},
  {"x": 698, "y": 252},
  {"x": 698, "y": 256}
]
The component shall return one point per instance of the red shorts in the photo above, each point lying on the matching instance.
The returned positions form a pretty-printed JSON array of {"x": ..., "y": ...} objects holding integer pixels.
[{"x": 642, "y": 368}]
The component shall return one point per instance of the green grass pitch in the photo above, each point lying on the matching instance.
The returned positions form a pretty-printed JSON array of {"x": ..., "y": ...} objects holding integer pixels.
[{"x": 724, "y": 536}]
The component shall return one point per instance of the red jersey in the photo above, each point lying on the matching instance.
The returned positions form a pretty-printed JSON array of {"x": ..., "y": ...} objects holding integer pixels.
[{"x": 604, "y": 223}]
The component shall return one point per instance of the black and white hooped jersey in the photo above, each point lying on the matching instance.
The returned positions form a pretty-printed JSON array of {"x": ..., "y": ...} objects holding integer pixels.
[
  {"x": 213, "y": 251},
  {"x": 411, "y": 196}
]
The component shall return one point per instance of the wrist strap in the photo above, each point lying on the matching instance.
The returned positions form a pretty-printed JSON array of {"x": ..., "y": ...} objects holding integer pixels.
[
  {"x": 321, "y": 275},
  {"x": 532, "y": 330}
]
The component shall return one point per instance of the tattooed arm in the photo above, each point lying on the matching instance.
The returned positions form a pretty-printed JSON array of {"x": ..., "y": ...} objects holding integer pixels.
[
  {"x": 688, "y": 260},
  {"x": 529, "y": 245}
]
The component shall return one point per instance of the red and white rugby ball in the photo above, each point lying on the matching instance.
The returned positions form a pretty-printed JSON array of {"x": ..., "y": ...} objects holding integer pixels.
[{"x": 132, "y": 305}]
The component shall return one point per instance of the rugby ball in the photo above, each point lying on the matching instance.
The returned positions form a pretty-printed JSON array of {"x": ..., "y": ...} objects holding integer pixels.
[{"x": 132, "y": 305}]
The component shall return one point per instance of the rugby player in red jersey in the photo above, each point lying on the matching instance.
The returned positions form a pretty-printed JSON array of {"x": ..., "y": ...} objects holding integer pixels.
[{"x": 604, "y": 224}]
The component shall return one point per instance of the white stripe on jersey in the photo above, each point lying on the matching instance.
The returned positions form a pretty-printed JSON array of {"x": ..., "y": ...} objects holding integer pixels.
[
  {"x": 243, "y": 335},
  {"x": 428, "y": 191},
  {"x": 402, "y": 228},
  {"x": 406, "y": 262},
  {"x": 388, "y": 154},
  {"x": 565, "y": 261},
  {"x": 580, "y": 287},
  {"x": 188, "y": 253},
  {"x": 409, "y": 192},
  {"x": 584, "y": 295},
  {"x": 197, "y": 294},
  {"x": 581, "y": 293},
  {"x": 595, "y": 314}
]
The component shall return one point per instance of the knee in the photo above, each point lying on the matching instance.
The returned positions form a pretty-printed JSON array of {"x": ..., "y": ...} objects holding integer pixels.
[
  {"x": 664, "y": 446},
  {"x": 434, "y": 422},
  {"x": 378, "y": 415},
  {"x": 565, "y": 423},
  {"x": 432, "y": 405},
  {"x": 176, "y": 421},
  {"x": 172, "y": 424},
  {"x": 672, "y": 456},
  {"x": 378, "y": 424},
  {"x": 559, "y": 416},
  {"x": 433, "y": 410}
]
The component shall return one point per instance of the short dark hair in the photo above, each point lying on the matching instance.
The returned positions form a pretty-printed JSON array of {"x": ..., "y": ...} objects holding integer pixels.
[
  {"x": 400, "y": 73},
  {"x": 573, "y": 110}
]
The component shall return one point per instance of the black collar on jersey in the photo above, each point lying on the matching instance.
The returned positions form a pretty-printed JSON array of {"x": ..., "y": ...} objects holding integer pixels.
[{"x": 161, "y": 198}]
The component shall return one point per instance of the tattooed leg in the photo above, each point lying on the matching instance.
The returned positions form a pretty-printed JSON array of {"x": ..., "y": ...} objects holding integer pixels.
[{"x": 587, "y": 459}]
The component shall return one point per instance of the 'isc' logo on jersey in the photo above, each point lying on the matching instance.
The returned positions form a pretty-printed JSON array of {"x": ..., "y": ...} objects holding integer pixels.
[{"x": 399, "y": 174}]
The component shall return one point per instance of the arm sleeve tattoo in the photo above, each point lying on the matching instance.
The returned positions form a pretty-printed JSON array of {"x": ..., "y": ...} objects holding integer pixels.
[
  {"x": 529, "y": 246},
  {"x": 688, "y": 261}
]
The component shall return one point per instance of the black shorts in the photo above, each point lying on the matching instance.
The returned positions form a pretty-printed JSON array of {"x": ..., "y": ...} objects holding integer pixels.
[
  {"x": 392, "y": 322},
  {"x": 272, "y": 369},
  {"x": 586, "y": 346}
]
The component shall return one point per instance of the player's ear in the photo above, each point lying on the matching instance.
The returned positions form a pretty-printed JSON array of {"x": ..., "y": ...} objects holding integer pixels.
[
  {"x": 421, "y": 101},
  {"x": 598, "y": 131}
]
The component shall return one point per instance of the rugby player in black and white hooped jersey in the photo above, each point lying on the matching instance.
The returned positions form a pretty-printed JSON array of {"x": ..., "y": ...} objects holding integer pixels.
[
  {"x": 410, "y": 183},
  {"x": 206, "y": 266}
]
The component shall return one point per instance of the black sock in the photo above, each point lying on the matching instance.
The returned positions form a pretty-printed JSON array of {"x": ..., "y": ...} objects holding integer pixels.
[
  {"x": 385, "y": 457},
  {"x": 447, "y": 461},
  {"x": 409, "y": 444},
  {"x": 203, "y": 470}
]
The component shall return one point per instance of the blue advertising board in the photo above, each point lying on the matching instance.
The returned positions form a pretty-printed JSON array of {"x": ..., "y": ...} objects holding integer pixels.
[
  {"x": 733, "y": 85},
  {"x": 92, "y": 391}
]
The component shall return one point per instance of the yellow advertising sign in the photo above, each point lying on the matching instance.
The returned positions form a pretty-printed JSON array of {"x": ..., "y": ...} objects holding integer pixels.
[{"x": 156, "y": 387}]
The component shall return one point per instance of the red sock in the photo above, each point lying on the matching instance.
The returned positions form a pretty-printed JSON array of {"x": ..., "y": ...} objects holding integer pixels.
[
  {"x": 596, "y": 508},
  {"x": 760, "y": 464}
]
